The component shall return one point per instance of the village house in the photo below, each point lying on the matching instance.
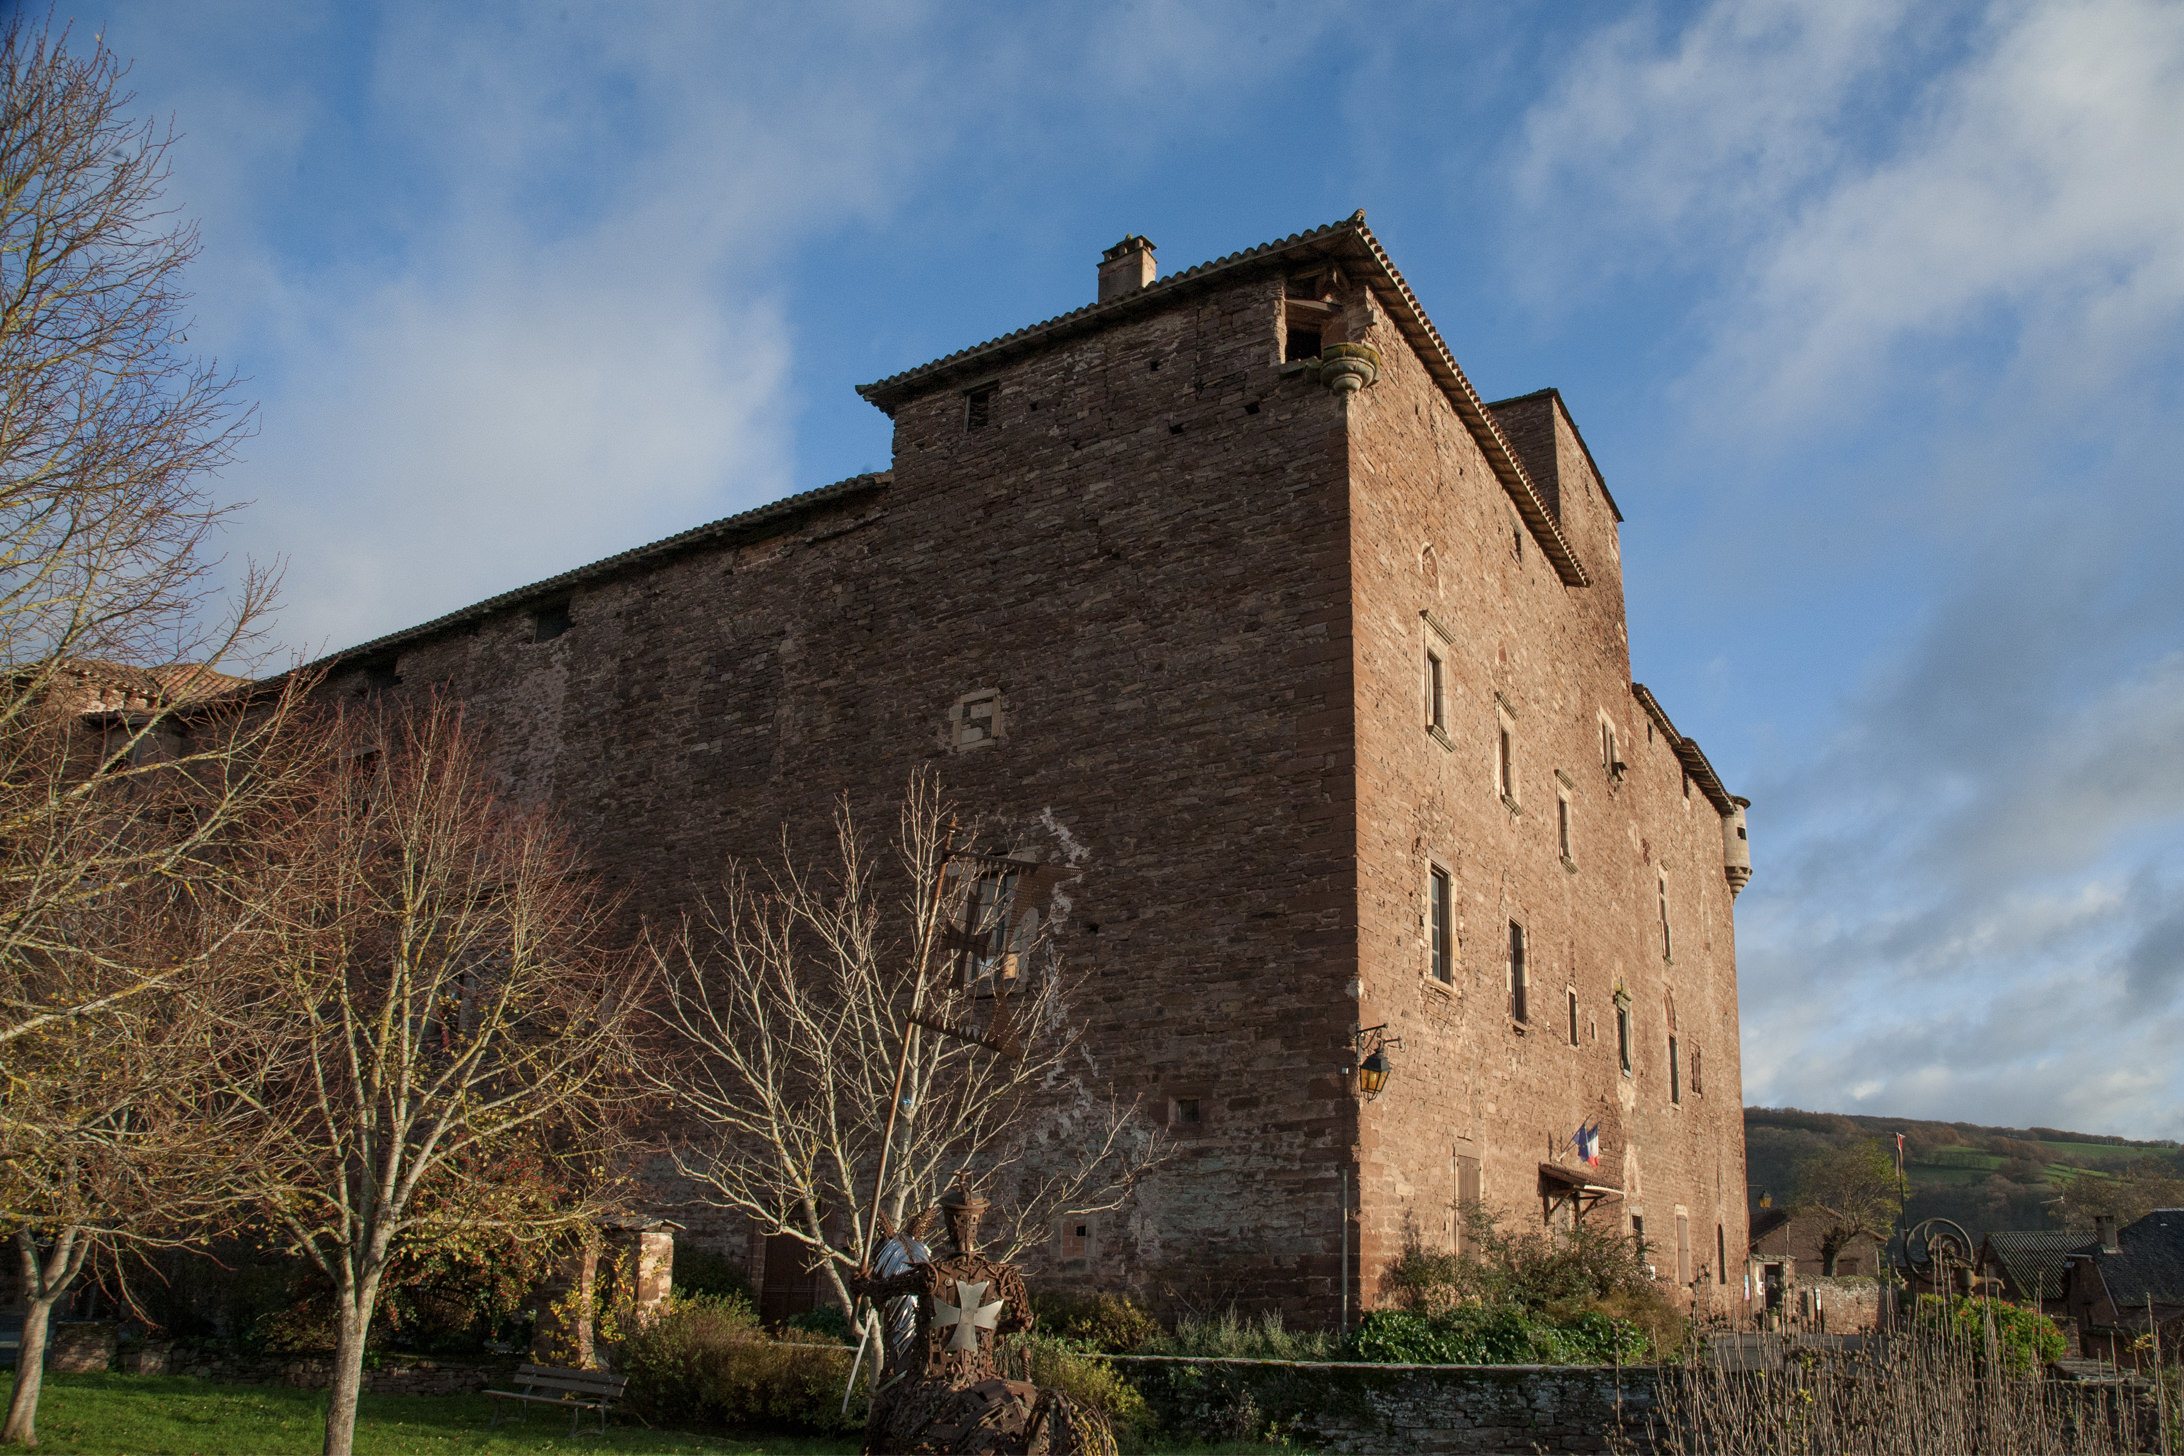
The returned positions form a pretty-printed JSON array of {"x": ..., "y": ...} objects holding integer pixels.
[
  {"x": 2124, "y": 1285},
  {"x": 1321, "y": 663}
]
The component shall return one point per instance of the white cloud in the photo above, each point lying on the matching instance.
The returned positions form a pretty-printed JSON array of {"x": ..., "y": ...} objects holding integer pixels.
[{"x": 1943, "y": 269}]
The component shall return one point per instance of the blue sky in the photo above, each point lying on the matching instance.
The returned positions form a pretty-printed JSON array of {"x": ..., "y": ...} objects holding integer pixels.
[{"x": 1869, "y": 310}]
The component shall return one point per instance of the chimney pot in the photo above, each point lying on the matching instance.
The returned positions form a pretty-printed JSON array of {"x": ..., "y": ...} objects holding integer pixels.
[
  {"x": 1126, "y": 267},
  {"x": 2104, "y": 1224}
]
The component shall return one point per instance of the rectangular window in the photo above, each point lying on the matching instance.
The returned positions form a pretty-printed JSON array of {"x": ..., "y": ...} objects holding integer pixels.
[
  {"x": 1683, "y": 1249},
  {"x": 1609, "y": 758},
  {"x": 1638, "y": 1238},
  {"x": 1440, "y": 913},
  {"x": 1468, "y": 1194},
  {"x": 1186, "y": 1112},
  {"x": 549, "y": 622},
  {"x": 1505, "y": 764},
  {"x": 1622, "y": 1037},
  {"x": 1698, "y": 1071},
  {"x": 989, "y": 954},
  {"x": 977, "y": 408},
  {"x": 1668, "y": 939},
  {"x": 1076, "y": 1237},
  {"x": 1573, "y": 1018},
  {"x": 1517, "y": 998},
  {"x": 1436, "y": 711},
  {"x": 1562, "y": 826},
  {"x": 1675, "y": 1074},
  {"x": 1721, "y": 1255}
]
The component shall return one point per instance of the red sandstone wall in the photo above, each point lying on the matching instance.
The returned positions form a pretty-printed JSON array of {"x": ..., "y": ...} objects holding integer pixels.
[
  {"x": 1156, "y": 579},
  {"x": 1552, "y": 659},
  {"x": 1196, "y": 579}
]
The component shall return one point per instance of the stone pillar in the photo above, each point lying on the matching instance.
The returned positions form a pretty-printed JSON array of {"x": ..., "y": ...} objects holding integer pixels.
[
  {"x": 655, "y": 1269},
  {"x": 562, "y": 1333}
]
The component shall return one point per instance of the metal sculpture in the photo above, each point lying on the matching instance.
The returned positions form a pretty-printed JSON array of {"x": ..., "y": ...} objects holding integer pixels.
[{"x": 940, "y": 1391}]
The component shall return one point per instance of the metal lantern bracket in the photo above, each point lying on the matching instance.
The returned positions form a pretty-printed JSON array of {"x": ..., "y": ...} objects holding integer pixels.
[{"x": 1370, "y": 1045}]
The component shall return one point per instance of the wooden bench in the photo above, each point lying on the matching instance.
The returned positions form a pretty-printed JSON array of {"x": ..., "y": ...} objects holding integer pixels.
[{"x": 581, "y": 1390}]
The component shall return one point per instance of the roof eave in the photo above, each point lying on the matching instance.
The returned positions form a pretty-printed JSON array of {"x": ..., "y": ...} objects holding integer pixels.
[
  {"x": 1349, "y": 238},
  {"x": 1690, "y": 755},
  {"x": 760, "y": 520}
]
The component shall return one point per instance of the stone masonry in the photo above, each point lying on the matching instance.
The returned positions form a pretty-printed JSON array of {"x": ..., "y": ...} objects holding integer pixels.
[{"x": 1192, "y": 554}]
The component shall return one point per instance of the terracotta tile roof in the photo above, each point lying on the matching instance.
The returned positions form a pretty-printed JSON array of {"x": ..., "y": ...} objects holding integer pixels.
[
  {"x": 1350, "y": 240},
  {"x": 1689, "y": 754}
]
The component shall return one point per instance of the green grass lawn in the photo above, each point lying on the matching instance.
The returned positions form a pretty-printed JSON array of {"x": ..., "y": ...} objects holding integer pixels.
[{"x": 133, "y": 1415}]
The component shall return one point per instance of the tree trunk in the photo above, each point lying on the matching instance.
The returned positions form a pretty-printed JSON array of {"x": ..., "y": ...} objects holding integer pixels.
[
  {"x": 22, "y": 1427},
  {"x": 348, "y": 1381}
]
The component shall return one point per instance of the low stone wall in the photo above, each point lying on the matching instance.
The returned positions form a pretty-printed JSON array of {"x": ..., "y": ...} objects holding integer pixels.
[
  {"x": 1842, "y": 1304},
  {"x": 1358, "y": 1407},
  {"x": 406, "y": 1376}
]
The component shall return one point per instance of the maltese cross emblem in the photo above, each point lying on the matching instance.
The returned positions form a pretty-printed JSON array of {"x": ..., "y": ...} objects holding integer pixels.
[{"x": 967, "y": 1315}]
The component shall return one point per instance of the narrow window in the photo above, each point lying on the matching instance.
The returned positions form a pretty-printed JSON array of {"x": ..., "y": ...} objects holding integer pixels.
[
  {"x": 1443, "y": 962},
  {"x": 1638, "y": 1237},
  {"x": 1675, "y": 1073},
  {"x": 988, "y": 904},
  {"x": 1687, "y": 783},
  {"x": 1562, "y": 826},
  {"x": 977, "y": 408},
  {"x": 1721, "y": 1252},
  {"x": 1436, "y": 712},
  {"x": 1573, "y": 1017},
  {"x": 1622, "y": 1037},
  {"x": 1668, "y": 940},
  {"x": 1698, "y": 1071},
  {"x": 1516, "y": 536},
  {"x": 549, "y": 622},
  {"x": 1610, "y": 759},
  {"x": 1683, "y": 1249},
  {"x": 1517, "y": 998},
  {"x": 1505, "y": 768}
]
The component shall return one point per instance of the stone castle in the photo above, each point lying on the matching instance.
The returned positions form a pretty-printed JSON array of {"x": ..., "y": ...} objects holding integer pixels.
[{"x": 1323, "y": 662}]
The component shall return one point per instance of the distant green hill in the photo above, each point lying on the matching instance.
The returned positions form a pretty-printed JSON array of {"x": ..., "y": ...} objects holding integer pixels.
[{"x": 1985, "y": 1178}]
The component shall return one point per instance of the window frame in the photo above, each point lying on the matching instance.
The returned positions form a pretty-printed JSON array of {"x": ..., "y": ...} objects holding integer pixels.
[{"x": 1440, "y": 923}]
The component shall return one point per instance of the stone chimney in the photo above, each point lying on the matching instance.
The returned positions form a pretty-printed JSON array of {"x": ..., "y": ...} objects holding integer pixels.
[
  {"x": 2104, "y": 1225},
  {"x": 1126, "y": 267}
]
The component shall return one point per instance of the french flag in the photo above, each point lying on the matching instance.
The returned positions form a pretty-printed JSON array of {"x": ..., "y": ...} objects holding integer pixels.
[{"x": 1588, "y": 1145}]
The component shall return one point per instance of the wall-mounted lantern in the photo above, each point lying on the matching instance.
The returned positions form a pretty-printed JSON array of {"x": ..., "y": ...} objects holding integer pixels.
[{"x": 1373, "y": 1044}]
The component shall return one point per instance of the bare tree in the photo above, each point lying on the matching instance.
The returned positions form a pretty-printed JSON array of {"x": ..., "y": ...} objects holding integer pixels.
[
  {"x": 1854, "y": 1192},
  {"x": 799, "y": 1015},
  {"x": 440, "y": 1041},
  {"x": 128, "y": 762}
]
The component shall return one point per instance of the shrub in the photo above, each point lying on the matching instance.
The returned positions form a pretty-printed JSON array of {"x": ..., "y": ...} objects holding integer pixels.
[
  {"x": 1560, "y": 1278},
  {"x": 2026, "y": 1338},
  {"x": 700, "y": 1271},
  {"x": 1111, "y": 1322},
  {"x": 703, "y": 1361},
  {"x": 1076, "y": 1370},
  {"x": 1480, "y": 1334},
  {"x": 1261, "y": 1339},
  {"x": 827, "y": 1320}
]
